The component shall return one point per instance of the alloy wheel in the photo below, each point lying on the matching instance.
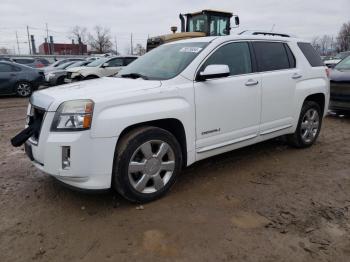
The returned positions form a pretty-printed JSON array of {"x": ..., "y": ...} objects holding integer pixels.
[
  {"x": 310, "y": 125},
  {"x": 24, "y": 89},
  {"x": 151, "y": 166}
]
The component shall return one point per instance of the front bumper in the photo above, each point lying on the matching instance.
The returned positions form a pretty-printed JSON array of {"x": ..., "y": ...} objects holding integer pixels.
[{"x": 91, "y": 159}]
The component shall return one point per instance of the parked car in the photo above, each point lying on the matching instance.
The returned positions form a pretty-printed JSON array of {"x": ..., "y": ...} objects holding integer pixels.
[
  {"x": 19, "y": 79},
  {"x": 31, "y": 62},
  {"x": 60, "y": 62},
  {"x": 107, "y": 66},
  {"x": 332, "y": 62},
  {"x": 5, "y": 58},
  {"x": 56, "y": 75},
  {"x": 340, "y": 87},
  {"x": 180, "y": 103}
]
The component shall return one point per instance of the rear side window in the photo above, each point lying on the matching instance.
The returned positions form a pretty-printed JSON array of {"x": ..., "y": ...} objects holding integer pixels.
[
  {"x": 235, "y": 55},
  {"x": 311, "y": 54},
  {"x": 272, "y": 56},
  {"x": 24, "y": 61}
]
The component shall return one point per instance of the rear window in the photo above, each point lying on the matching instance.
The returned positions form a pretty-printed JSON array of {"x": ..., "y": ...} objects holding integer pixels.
[
  {"x": 272, "y": 56},
  {"x": 311, "y": 54}
]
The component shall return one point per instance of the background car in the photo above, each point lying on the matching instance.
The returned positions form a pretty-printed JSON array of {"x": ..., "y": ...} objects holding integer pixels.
[
  {"x": 19, "y": 79},
  {"x": 31, "y": 62},
  {"x": 340, "y": 87},
  {"x": 106, "y": 66},
  {"x": 332, "y": 62},
  {"x": 60, "y": 62},
  {"x": 5, "y": 58},
  {"x": 57, "y": 75}
]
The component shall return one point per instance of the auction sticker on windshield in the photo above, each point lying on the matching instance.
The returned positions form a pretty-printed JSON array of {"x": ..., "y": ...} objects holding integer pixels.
[{"x": 191, "y": 49}]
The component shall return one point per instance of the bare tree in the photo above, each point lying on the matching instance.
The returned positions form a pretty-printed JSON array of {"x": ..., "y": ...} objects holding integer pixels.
[
  {"x": 139, "y": 50},
  {"x": 78, "y": 34},
  {"x": 344, "y": 37},
  {"x": 101, "y": 40}
]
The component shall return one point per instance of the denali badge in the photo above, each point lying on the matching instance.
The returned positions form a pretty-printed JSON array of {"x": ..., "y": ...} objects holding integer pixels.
[{"x": 210, "y": 131}]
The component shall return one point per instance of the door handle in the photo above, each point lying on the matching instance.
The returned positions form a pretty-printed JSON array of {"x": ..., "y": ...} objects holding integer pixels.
[
  {"x": 251, "y": 82},
  {"x": 296, "y": 76}
]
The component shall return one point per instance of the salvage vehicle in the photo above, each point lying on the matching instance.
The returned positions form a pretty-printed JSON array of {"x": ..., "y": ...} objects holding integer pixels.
[
  {"x": 108, "y": 66},
  {"x": 56, "y": 75},
  {"x": 198, "y": 24},
  {"x": 178, "y": 104},
  {"x": 19, "y": 79},
  {"x": 340, "y": 88}
]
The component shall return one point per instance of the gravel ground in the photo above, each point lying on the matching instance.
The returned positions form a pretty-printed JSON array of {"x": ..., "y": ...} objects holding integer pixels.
[{"x": 266, "y": 202}]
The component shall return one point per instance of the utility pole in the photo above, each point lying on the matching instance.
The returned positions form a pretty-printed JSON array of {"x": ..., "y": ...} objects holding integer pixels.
[
  {"x": 116, "y": 44},
  {"x": 19, "y": 52},
  {"x": 131, "y": 46},
  {"x": 30, "y": 48},
  {"x": 48, "y": 41}
]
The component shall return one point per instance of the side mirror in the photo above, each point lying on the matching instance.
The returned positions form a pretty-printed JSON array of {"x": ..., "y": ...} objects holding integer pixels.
[
  {"x": 105, "y": 65},
  {"x": 214, "y": 71}
]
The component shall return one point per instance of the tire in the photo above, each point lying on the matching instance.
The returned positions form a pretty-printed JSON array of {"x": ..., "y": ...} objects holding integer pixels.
[
  {"x": 90, "y": 77},
  {"x": 24, "y": 89},
  {"x": 150, "y": 176},
  {"x": 60, "y": 80},
  {"x": 309, "y": 126}
]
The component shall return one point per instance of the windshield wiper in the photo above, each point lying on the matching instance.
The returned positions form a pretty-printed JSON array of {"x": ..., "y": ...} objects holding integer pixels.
[{"x": 134, "y": 76}]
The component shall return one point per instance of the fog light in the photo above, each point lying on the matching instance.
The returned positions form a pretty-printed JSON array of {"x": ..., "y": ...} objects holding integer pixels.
[{"x": 65, "y": 157}]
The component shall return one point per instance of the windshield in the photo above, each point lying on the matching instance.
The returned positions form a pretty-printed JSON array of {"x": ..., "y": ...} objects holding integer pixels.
[
  {"x": 76, "y": 64},
  {"x": 344, "y": 64},
  {"x": 64, "y": 65},
  {"x": 164, "y": 62},
  {"x": 97, "y": 62}
]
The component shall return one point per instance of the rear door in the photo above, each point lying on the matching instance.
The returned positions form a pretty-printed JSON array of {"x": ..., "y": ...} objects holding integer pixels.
[{"x": 277, "y": 66}]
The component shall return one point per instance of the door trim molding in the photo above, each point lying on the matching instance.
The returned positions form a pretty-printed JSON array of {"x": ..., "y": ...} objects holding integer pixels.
[
  {"x": 227, "y": 143},
  {"x": 269, "y": 131}
]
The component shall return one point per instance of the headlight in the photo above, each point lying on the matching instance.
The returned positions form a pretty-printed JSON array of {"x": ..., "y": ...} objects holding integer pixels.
[{"x": 75, "y": 115}]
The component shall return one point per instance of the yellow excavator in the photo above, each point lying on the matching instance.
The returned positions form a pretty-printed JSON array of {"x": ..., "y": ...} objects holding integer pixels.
[{"x": 204, "y": 23}]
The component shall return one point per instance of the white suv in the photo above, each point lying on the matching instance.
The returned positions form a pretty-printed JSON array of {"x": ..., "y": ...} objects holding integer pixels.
[
  {"x": 180, "y": 103},
  {"x": 106, "y": 66}
]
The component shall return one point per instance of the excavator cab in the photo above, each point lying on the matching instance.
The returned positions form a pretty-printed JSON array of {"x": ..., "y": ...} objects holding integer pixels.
[
  {"x": 209, "y": 22},
  {"x": 198, "y": 24}
]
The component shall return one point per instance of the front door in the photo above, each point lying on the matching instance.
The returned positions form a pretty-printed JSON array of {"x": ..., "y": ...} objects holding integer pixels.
[
  {"x": 228, "y": 108},
  {"x": 7, "y": 77}
]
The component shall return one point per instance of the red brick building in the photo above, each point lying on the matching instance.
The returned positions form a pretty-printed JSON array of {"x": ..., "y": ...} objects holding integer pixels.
[{"x": 63, "y": 49}]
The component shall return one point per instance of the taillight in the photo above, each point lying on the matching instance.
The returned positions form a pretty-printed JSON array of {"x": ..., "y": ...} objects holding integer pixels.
[
  {"x": 327, "y": 72},
  {"x": 39, "y": 65}
]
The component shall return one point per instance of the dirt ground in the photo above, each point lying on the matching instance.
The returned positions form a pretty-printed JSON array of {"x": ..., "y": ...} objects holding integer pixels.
[{"x": 267, "y": 202}]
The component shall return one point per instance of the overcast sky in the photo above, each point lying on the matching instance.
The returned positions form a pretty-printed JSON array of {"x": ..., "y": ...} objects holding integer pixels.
[{"x": 304, "y": 18}]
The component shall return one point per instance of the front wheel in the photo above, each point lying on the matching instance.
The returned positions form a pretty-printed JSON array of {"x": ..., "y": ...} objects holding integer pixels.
[
  {"x": 24, "y": 89},
  {"x": 147, "y": 162},
  {"x": 309, "y": 125}
]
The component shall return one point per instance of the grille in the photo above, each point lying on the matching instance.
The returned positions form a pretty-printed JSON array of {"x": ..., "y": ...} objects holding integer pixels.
[{"x": 36, "y": 114}]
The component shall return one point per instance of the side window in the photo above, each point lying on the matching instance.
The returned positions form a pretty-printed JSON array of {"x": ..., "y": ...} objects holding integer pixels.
[
  {"x": 235, "y": 55},
  {"x": 271, "y": 56},
  {"x": 311, "y": 54},
  {"x": 116, "y": 62},
  {"x": 129, "y": 60},
  {"x": 4, "y": 68}
]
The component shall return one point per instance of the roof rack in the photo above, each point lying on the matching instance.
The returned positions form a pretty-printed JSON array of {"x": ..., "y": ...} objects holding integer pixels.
[{"x": 250, "y": 32}]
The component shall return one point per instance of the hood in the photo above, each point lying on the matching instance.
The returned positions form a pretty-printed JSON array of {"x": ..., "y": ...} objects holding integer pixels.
[
  {"x": 76, "y": 69},
  {"x": 98, "y": 90},
  {"x": 340, "y": 75}
]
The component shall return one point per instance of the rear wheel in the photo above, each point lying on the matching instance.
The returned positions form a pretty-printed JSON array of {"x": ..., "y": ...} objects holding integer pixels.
[
  {"x": 147, "y": 163},
  {"x": 24, "y": 89},
  {"x": 309, "y": 125}
]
